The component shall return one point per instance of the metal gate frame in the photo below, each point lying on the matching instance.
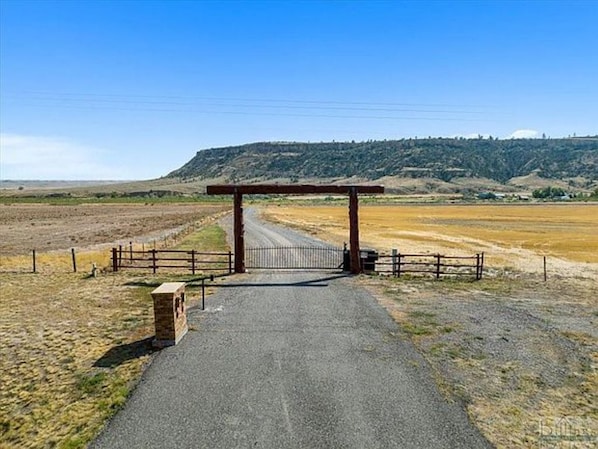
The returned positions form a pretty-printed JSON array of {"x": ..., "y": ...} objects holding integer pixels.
[{"x": 295, "y": 258}]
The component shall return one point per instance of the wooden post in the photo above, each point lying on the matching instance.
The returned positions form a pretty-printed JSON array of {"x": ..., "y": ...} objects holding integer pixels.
[
  {"x": 74, "y": 260},
  {"x": 545, "y": 275},
  {"x": 34, "y": 263},
  {"x": 482, "y": 266},
  {"x": 354, "y": 231},
  {"x": 154, "y": 261},
  {"x": 437, "y": 266},
  {"x": 114, "y": 260},
  {"x": 120, "y": 255},
  {"x": 477, "y": 267},
  {"x": 394, "y": 262},
  {"x": 238, "y": 231},
  {"x": 131, "y": 252},
  {"x": 399, "y": 266},
  {"x": 192, "y": 261}
]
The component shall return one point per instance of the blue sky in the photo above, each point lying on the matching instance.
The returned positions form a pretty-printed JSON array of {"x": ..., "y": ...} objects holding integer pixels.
[{"x": 132, "y": 89}]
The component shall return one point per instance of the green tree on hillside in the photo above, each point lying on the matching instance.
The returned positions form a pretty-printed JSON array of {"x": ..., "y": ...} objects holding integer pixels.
[{"x": 549, "y": 192}]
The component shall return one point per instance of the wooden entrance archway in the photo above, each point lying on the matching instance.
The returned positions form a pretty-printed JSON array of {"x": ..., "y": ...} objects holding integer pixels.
[{"x": 238, "y": 190}]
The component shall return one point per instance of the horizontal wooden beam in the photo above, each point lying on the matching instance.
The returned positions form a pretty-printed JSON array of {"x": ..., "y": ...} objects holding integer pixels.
[{"x": 288, "y": 189}]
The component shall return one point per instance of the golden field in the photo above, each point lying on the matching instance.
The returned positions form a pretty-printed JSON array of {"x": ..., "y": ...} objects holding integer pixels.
[{"x": 511, "y": 236}]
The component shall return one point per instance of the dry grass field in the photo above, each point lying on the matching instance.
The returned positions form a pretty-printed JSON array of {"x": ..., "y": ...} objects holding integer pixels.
[
  {"x": 74, "y": 345},
  {"x": 521, "y": 354},
  {"x": 47, "y": 226},
  {"x": 512, "y": 236}
]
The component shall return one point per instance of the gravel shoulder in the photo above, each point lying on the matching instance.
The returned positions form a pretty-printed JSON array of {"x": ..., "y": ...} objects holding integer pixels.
[{"x": 522, "y": 355}]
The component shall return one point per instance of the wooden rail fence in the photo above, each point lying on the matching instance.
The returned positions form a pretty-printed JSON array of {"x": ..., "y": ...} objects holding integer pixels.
[
  {"x": 174, "y": 259},
  {"x": 435, "y": 264}
]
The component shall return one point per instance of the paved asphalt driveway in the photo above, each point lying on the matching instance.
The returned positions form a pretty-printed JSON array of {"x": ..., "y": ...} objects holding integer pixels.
[{"x": 289, "y": 360}]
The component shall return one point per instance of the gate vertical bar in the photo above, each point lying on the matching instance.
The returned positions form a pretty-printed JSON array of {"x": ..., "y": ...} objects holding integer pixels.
[
  {"x": 354, "y": 231},
  {"x": 238, "y": 231}
]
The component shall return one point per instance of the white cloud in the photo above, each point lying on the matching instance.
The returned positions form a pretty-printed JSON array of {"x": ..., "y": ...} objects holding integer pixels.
[
  {"x": 524, "y": 134},
  {"x": 50, "y": 158}
]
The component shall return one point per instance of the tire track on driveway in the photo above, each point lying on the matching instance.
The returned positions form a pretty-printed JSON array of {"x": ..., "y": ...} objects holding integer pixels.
[{"x": 289, "y": 360}]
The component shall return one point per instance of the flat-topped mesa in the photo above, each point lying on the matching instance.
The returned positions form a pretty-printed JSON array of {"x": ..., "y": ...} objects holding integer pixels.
[{"x": 289, "y": 189}]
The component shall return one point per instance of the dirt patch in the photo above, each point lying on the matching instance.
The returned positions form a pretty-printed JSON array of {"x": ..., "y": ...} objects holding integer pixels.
[
  {"x": 521, "y": 355},
  {"x": 47, "y": 227}
]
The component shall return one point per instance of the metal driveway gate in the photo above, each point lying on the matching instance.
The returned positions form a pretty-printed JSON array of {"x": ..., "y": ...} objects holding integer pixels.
[{"x": 294, "y": 258}]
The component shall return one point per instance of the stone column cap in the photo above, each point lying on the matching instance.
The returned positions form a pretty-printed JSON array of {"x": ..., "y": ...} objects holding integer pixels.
[{"x": 168, "y": 287}]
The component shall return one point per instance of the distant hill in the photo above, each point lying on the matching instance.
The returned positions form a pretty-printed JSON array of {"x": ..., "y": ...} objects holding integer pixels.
[{"x": 442, "y": 161}]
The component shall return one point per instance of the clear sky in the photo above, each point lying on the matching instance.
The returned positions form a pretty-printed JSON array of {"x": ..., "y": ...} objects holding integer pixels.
[{"x": 132, "y": 89}]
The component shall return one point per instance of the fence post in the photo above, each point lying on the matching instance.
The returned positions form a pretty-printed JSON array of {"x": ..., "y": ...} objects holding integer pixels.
[
  {"x": 482, "y": 266},
  {"x": 74, "y": 260},
  {"x": 545, "y": 276},
  {"x": 437, "y": 266},
  {"x": 131, "y": 252},
  {"x": 399, "y": 266},
  {"x": 34, "y": 264},
  {"x": 154, "y": 260},
  {"x": 477, "y": 266},
  {"x": 203, "y": 294},
  {"x": 230, "y": 262},
  {"x": 114, "y": 260},
  {"x": 192, "y": 261},
  {"x": 120, "y": 255},
  {"x": 394, "y": 262}
]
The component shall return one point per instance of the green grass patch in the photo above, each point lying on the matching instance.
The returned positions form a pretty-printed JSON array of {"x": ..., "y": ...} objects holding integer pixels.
[
  {"x": 424, "y": 317},
  {"x": 211, "y": 238},
  {"x": 91, "y": 384},
  {"x": 416, "y": 329}
]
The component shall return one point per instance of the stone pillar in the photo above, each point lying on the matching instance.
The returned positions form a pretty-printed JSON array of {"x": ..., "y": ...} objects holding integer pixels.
[{"x": 170, "y": 316}]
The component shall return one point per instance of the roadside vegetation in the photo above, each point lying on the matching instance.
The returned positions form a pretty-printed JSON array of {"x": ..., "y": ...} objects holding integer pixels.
[{"x": 74, "y": 345}]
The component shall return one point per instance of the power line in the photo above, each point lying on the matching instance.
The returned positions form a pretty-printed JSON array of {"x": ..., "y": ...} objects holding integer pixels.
[
  {"x": 254, "y": 113},
  {"x": 248, "y": 107},
  {"x": 160, "y": 98}
]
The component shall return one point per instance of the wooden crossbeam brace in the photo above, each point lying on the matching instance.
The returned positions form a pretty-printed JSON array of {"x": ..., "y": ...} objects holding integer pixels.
[{"x": 288, "y": 189}]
